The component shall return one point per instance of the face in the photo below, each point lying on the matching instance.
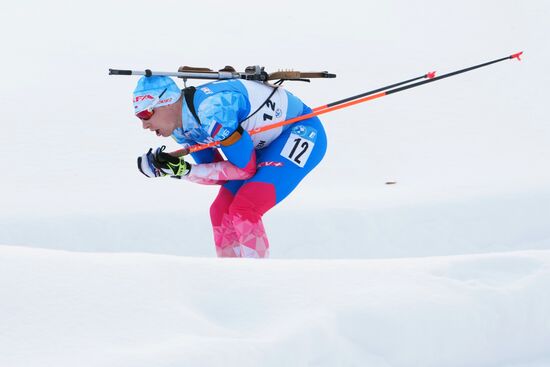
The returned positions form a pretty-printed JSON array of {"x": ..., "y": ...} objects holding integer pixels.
[{"x": 163, "y": 122}]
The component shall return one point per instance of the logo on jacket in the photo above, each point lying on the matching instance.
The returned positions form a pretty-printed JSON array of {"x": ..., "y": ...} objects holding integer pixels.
[{"x": 270, "y": 164}]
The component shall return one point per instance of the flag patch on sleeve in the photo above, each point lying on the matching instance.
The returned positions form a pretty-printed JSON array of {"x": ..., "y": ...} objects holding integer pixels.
[{"x": 214, "y": 129}]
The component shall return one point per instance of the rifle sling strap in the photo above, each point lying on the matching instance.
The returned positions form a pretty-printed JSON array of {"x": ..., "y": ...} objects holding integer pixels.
[{"x": 189, "y": 94}]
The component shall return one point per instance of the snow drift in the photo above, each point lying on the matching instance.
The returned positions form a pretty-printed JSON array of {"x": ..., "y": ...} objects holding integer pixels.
[{"x": 95, "y": 309}]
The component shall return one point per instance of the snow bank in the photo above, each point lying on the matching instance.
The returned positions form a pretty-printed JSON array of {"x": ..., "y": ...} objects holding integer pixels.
[{"x": 95, "y": 309}]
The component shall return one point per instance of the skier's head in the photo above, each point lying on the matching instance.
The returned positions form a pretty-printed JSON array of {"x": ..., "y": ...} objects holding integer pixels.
[
  {"x": 157, "y": 102},
  {"x": 153, "y": 92}
]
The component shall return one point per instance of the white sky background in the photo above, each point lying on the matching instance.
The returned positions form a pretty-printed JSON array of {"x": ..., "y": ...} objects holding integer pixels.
[{"x": 69, "y": 141}]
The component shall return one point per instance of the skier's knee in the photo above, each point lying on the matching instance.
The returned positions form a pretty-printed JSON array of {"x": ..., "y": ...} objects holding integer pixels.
[
  {"x": 253, "y": 200},
  {"x": 220, "y": 206}
]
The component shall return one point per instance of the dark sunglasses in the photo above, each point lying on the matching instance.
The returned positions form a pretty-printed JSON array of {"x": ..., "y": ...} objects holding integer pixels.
[{"x": 147, "y": 113}]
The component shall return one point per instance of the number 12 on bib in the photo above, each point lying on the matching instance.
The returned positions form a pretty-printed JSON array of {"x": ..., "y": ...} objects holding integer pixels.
[{"x": 299, "y": 145}]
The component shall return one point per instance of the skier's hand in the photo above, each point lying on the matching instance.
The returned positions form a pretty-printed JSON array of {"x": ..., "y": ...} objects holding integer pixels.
[
  {"x": 160, "y": 164},
  {"x": 175, "y": 166}
]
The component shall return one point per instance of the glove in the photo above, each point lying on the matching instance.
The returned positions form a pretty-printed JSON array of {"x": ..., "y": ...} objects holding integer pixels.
[{"x": 160, "y": 164}]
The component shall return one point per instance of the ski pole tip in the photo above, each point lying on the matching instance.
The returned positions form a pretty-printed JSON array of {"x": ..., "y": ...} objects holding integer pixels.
[
  {"x": 517, "y": 56},
  {"x": 430, "y": 75}
]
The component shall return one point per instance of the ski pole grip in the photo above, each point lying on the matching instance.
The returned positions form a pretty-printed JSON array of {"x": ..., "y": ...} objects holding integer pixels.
[{"x": 119, "y": 72}]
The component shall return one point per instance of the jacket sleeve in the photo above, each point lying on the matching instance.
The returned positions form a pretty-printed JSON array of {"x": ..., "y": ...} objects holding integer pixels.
[
  {"x": 220, "y": 115},
  {"x": 207, "y": 156}
]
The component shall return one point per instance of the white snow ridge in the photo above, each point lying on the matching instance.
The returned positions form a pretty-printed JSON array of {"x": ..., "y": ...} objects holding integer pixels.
[{"x": 97, "y": 309}]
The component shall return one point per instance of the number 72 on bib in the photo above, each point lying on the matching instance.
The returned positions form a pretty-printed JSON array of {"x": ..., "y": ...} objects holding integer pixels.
[{"x": 299, "y": 145}]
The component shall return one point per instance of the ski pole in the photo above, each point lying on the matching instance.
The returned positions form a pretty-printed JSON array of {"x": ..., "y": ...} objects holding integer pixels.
[
  {"x": 198, "y": 147},
  {"x": 360, "y": 98},
  {"x": 429, "y": 75}
]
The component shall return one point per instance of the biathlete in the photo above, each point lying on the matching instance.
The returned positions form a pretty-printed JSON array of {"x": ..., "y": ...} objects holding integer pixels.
[{"x": 259, "y": 170}]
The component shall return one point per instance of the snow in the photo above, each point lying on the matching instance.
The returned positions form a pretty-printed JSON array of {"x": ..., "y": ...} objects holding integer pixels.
[
  {"x": 64, "y": 309},
  {"x": 448, "y": 267}
]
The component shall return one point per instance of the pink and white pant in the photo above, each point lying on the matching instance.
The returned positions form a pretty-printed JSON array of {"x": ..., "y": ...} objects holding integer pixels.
[{"x": 237, "y": 220}]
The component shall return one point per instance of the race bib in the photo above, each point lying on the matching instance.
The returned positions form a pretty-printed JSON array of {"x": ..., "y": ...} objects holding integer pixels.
[
  {"x": 273, "y": 110},
  {"x": 299, "y": 145}
]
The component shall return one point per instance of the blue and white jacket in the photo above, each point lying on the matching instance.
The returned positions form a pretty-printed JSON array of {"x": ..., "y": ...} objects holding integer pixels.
[{"x": 224, "y": 105}]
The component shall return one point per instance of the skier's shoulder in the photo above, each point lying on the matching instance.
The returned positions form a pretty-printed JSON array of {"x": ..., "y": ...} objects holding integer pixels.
[{"x": 220, "y": 106}]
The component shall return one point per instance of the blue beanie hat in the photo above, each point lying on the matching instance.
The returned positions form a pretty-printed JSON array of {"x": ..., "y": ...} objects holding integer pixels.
[{"x": 150, "y": 88}]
